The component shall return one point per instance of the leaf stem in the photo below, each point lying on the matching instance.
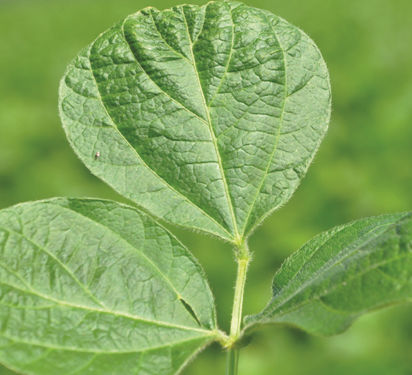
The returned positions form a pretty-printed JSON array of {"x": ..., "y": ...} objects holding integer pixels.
[{"x": 243, "y": 259}]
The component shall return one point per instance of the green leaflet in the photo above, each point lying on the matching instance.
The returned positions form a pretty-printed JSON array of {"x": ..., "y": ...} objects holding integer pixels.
[
  {"x": 207, "y": 117},
  {"x": 343, "y": 273},
  {"x": 95, "y": 287}
]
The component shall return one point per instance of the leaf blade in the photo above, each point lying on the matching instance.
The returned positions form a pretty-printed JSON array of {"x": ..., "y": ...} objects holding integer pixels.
[
  {"x": 82, "y": 280},
  {"x": 224, "y": 92},
  {"x": 343, "y": 273}
]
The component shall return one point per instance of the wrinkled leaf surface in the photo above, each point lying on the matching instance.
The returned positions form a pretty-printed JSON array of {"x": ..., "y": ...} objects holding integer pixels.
[
  {"x": 95, "y": 287},
  {"x": 207, "y": 117}
]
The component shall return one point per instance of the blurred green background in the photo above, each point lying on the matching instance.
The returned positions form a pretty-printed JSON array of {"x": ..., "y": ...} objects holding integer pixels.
[{"x": 364, "y": 166}]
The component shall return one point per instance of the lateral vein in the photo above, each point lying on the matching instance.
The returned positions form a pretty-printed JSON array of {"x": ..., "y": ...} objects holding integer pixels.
[{"x": 212, "y": 134}]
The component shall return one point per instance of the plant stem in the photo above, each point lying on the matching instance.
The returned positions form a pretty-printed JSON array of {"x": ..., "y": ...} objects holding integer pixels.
[
  {"x": 243, "y": 259},
  {"x": 238, "y": 299},
  {"x": 232, "y": 361}
]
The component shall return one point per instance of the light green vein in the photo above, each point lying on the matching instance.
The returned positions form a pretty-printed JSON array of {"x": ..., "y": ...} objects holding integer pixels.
[
  {"x": 163, "y": 38},
  {"x": 229, "y": 59},
  {"x": 133, "y": 248},
  {"x": 85, "y": 350},
  {"x": 338, "y": 285},
  {"x": 335, "y": 263},
  {"x": 185, "y": 198},
  {"x": 275, "y": 146},
  {"x": 59, "y": 263},
  {"x": 212, "y": 134},
  {"x": 109, "y": 312}
]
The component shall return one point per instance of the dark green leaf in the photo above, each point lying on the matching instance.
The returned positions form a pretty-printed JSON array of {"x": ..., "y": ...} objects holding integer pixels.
[
  {"x": 343, "y": 273},
  {"x": 95, "y": 287},
  {"x": 207, "y": 117}
]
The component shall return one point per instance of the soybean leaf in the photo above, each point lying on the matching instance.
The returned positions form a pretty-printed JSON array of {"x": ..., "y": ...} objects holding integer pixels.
[
  {"x": 343, "y": 273},
  {"x": 205, "y": 116},
  {"x": 95, "y": 287}
]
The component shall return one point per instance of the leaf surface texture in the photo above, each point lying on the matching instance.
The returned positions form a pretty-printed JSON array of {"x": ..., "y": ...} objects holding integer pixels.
[
  {"x": 95, "y": 287},
  {"x": 343, "y": 273},
  {"x": 207, "y": 117}
]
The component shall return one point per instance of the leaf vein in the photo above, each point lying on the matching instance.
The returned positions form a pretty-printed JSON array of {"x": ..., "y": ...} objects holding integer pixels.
[
  {"x": 212, "y": 133},
  {"x": 330, "y": 266},
  {"x": 278, "y": 134},
  {"x": 337, "y": 285},
  {"x": 164, "y": 40},
  {"x": 191, "y": 203},
  {"x": 103, "y": 311},
  {"x": 227, "y": 64},
  {"x": 60, "y": 264},
  {"x": 85, "y": 350}
]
